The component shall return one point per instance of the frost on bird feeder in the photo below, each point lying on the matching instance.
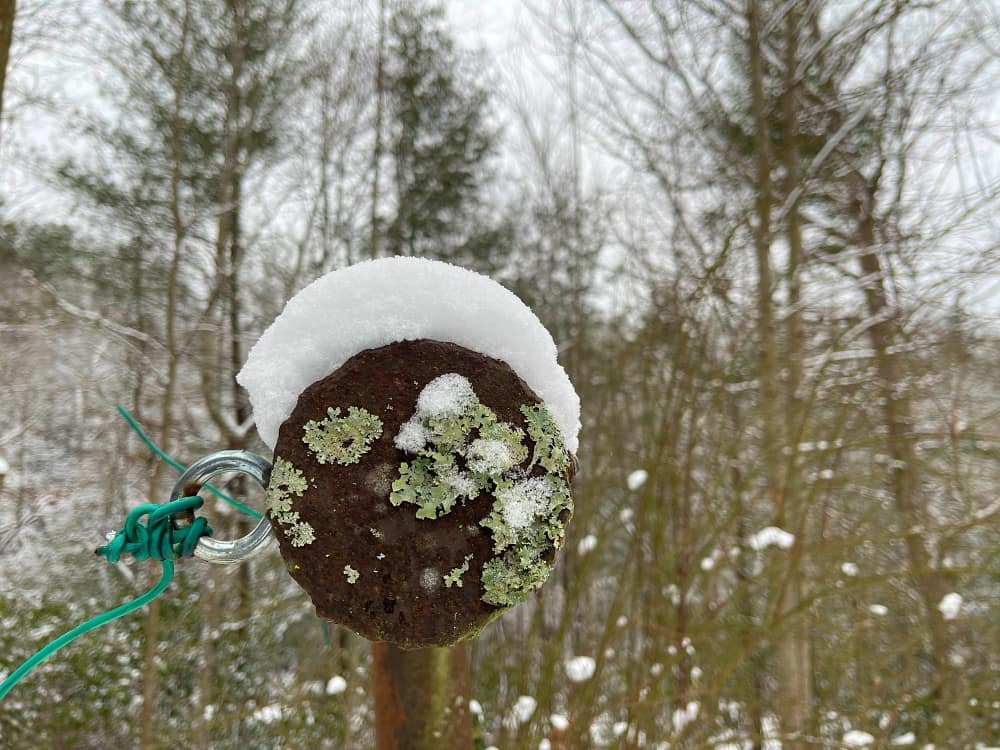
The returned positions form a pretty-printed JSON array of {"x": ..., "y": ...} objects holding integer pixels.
[{"x": 423, "y": 435}]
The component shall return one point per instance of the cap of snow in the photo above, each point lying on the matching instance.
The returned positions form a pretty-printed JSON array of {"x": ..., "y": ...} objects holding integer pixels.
[
  {"x": 580, "y": 668},
  {"x": 904, "y": 739},
  {"x": 950, "y": 605},
  {"x": 379, "y": 302},
  {"x": 772, "y": 536},
  {"x": 849, "y": 569},
  {"x": 475, "y": 707},
  {"x": 636, "y": 479},
  {"x": 879, "y": 610},
  {"x": 857, "y": 738}
]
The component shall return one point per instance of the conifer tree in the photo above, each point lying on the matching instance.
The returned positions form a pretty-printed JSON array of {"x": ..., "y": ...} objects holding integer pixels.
[{"x": 439, "y": 143}]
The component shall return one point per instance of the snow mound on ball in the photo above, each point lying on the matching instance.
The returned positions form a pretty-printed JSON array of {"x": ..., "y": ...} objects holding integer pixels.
[{"x": 379, "y": 302}]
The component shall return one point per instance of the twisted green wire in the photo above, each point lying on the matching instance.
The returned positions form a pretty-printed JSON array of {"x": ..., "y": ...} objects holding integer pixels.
[
  {"x": 156, "y": 539},
  {"x": 179, "y": 466}
]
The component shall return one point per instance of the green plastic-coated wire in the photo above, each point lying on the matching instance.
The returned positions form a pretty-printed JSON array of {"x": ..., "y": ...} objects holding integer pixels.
[
  {"x": 179, "y": 466},
  {"x": 156, "y": 539},
  {"x": 46, "y": 651}
]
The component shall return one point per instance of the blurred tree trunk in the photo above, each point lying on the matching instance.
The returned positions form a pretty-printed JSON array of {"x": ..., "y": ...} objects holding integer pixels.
[
  {"x": 422, "y": 698},
  {"x": 785, "y": 584},
  {"x": 793, "y": 652},
  {"x": 7, "y": 12},
  {"x": 897, "y": 412},
  {"x": 150, "y": 672}
]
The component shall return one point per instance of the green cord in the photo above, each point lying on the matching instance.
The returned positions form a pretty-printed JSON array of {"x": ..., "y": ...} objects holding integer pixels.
[
  {"x": 127, "y": 608},
  {"x": 156, "y": 539},
  {"x": 179, "y": 466}
]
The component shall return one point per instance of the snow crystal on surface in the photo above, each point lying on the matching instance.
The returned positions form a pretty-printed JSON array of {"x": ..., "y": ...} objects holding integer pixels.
[
  {"x": 950, "y": 605},
  {"x": 445, "y": 396},
  {"x": 525, "y": 500},
  {"x": 524, "y": 708},
  {"x": 857, "y": 738},
  {"x": 461, "y": 483},
  {"x": 336, "y": 685},
  {"x": 559, "y": 722},
  {"x": 412, "y": 437},
  {"x": 489, "y": 456},
  {"x": 430, "y": 579},
  {"x": 378, "y": 302},
  {"x": 772, "y": 536},
  {"x": 580, "y": 668},
  {"x": 636, "y": 479}
]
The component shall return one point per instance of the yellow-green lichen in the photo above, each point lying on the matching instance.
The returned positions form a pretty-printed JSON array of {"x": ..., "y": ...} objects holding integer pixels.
[
  {"x": 468, "y": 451},
  {"x": 286, "y": 484},
  {"x": 550, "y": 451},
  {"x": 435, "y": 480},
  {"x": 351, "y": 574},
  {"x": 454, "y": 578},
  {"x": 342, "y": 440}
]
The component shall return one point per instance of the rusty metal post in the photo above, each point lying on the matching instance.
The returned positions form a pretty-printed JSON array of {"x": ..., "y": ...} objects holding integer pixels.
[{"x": 422, "y": 698}]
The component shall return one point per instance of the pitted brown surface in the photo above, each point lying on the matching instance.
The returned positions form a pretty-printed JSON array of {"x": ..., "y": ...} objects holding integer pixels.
[{"x": 402, "y": 597}]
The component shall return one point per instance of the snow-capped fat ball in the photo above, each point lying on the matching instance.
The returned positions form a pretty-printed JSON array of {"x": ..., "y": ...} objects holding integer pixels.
[{"x": 379, "y": 302}]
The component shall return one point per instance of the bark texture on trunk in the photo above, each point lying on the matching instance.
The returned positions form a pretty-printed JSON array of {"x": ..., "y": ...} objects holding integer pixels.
[
  {"x": 7, "y": 11},
  {"x": 422, "y": 698}
]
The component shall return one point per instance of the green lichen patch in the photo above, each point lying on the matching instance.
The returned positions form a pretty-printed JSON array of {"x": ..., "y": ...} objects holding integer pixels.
[
  {"x": 351, "y": 574},
  {"x": 468, "y": 435},
  {"x": 508, "y": 583},
  {"x": 454, "y": 578},
  {"x": 465, "y": 450},
  {"x": 342, "y": 440},
  {"x": 550, "y": 450},
  {"x": 527, "y": 522},
  {"x": 286, "y": 484}
]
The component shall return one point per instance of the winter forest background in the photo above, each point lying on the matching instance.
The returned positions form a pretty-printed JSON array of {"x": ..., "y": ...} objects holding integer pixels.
[{"x": 765, "y": 235}]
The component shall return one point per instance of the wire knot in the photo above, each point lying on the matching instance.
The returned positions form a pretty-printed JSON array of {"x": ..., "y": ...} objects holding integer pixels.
[{"x": 159, "y": 538}]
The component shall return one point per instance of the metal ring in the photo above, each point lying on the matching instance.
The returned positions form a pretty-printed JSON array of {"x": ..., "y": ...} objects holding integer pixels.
[{"x": 198, "y": 474}]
